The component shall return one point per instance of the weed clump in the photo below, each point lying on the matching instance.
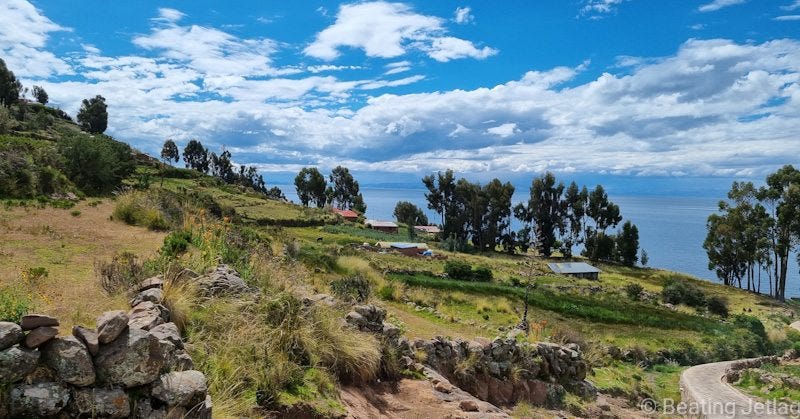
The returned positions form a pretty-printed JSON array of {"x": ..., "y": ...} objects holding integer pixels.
[{"x": 119, "y": 274}]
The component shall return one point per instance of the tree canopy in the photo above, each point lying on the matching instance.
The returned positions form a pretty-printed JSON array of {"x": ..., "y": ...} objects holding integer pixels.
[
  {"x": 196, "y": 156},
  {"x": 93, "y": 115},
  {"x": 310, "y": 185},
  {"x": 40, "y": 95},
  {"x": 10, "y": 87},
  {"x": 169, "y": 152}
]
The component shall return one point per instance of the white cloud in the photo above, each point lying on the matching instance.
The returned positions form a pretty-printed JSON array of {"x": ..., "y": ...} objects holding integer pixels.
[
  {"x": 719, "y": 4},
  {"x": 169, "y": 15},
  {"x": 787, "y": 18},
  {"x": 24, "y": 32},
  {"x": 793, "y": 6},
  {"x": 377, "y": 84},
  {"x": 389, "y": 30},
  {"x": 504, "y": 130},
  {"x": 397, "y": 67},
  {"x": 595, "y": 8},
  {"x": 463, "y": 15}
]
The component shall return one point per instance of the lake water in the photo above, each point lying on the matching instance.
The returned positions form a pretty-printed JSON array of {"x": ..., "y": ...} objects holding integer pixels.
[{"x": 671, "y": 229}]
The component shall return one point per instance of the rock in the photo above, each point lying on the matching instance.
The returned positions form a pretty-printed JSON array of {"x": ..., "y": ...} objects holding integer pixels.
[
  {"x": 38, "y": 400},
  {"x": 17, "y": 362},
  {"x": 391, "y": 331},
  {"x": 135, "y": 358},
  {"x": 144, "y": 410},
  {"x": 10, "y": 335},
  {"x": 205, "y": 411},
  {"x": 39, "y": 336},
  {"x": 32, "y": 321},
  {"x": 88, "y": 337},
  {"x": 180, "y": 361},
  {"x": 70, "y": 359},
  {"x": 168, "y": 332},
  {"x": 182, "y": 388},
  {"x": 154, "y": 295},
  {"x": 223, "y": 280},
  {"x": 99, "y": 402},
  {"x": 469, "y": 405},
  {"x": 145, "y": 315},
  {"x": 150, "y": 283},
  {"x": 110, "y": 324},
  {"x": 320, "y": 298},
  {"x": 442, "y": 387}
]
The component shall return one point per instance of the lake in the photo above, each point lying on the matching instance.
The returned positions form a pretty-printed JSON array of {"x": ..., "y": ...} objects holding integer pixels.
[{"x": 671, "y": 229}]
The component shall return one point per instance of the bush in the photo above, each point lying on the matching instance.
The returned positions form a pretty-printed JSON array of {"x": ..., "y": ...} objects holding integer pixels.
[
  {"x": 717, "y": 305},
  {"x": 683, "y": 292},
  {"x": 634, "y": 291},
  {"x": 137, "y": 208},
  {"x": 13, "y": 305},
  {"x": 176, "y": 242},
  {"x": 120, "y": 274},
  {"x": 754, "y": 326},
  {"x": 386, "y": 292},
  {"x": 482, "y": 274},
  {"x": 96, "y": 165},
  {"x": 75, "y": 213},
  {"x": 352, "y": 288},
  {"x": 458, "y": 270}
]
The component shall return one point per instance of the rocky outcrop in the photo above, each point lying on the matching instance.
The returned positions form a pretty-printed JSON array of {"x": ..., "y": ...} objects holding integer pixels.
[
  {"x": 119, "y": 370},
  {"x": 222, "y": 280},
  {"x": 502, "y": 372}
]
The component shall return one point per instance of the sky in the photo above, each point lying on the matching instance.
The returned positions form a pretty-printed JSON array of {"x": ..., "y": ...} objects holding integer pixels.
[{"x": 662, "y": 94}]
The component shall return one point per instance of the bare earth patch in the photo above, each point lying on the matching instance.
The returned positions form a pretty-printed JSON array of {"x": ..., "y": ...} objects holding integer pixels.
[{"x": 67, "y": 246}]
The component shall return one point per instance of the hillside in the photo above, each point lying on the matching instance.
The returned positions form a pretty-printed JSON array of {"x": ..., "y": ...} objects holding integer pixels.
[{"x": 275, "y": 344}]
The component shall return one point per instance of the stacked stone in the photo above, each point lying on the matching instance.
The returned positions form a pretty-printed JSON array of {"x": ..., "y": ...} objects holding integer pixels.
[
  {"x": 502, "y": 372},
  {"x": 97, "y": 372}
]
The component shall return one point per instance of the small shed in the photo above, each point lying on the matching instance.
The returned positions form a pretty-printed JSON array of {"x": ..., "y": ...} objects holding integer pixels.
[
  {"x": 348, "y": 215},
  {"x": 384, "y": 226},
  {"x": 428, "y": 229},
  {"x": 576, "y": 269}
]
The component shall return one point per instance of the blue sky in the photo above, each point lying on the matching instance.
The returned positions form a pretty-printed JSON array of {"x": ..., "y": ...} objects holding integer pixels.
[{"x": 676, "y": 90}]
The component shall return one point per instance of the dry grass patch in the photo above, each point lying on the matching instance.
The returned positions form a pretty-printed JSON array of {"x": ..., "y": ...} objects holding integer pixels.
[{"x": 67, "y": 247}]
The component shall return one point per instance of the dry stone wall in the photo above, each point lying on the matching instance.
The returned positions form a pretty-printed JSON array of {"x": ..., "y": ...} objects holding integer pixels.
[{"x": 133, "y": 364}]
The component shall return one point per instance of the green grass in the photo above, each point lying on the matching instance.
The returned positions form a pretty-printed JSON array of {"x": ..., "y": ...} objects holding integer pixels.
[
  {"x": 601, "y": 310},
  {"x": 658, "y": 382}
]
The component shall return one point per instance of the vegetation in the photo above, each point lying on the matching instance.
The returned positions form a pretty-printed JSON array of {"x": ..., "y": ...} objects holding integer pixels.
[
  {"x": 344, "y": 191},
  {"x": 93, "y": 115},
  {"x": 311, "y": 186},
  {"x": 756, "y": 231},
  {"x": 10, "y": 87}
]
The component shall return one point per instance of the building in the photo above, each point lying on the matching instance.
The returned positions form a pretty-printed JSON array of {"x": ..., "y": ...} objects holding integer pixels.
[
  {"x": 408, "y": 249},
  {"x": 348, "y": 215},
  {"x": 384, "y": 226},
  {"x": 433, "y": 230},
  {"x": 576, "y": 269}
]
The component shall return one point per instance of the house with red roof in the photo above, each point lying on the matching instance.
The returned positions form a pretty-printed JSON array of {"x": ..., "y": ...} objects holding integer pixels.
[{"x": 348, "y": 215}]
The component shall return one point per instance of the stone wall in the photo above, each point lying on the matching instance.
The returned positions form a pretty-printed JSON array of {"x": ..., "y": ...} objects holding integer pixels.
[
  {"x": 503, "y": 371},
  {"x": 133, "y": 364}
]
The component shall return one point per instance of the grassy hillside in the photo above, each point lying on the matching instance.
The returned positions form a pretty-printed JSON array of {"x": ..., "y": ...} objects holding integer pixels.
[{"x": 271, "y": 353}]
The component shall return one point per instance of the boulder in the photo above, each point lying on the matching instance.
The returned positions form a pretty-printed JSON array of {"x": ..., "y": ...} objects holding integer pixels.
[
  {"x": 146, "y": 316},
  {"x": 168, "y": 331},
  {"x": 391, "y": 331},
  {"x": 150, "y": 283},
  {"x": 153, "y": 295},
  {"x": 442, "y": 387},
  {"x": 88, "y": 337},
  {"x": 181, "y": 388},
  {"x": 38, "y": 400},
  {"x": 223, "y": 280},
  {"x": 100, "y": 402},
  {"x": 469, "y": 405},
  {"x": 10, "y": 335},
  {"x": 70, "y": 359},
  {"x": 37, "y": 337},
  {"x": 110, "y": 324},
  {"x": 17, "y": 362},
  {"x": 32, "y": 321},
  {"x": 144, "y": 409},
  {"x": 135, "y": 358}
]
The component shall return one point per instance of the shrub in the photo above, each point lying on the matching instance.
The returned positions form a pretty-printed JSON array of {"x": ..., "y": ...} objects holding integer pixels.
[
  {"x": 139, "y": 208},
  {"x": 717, "y": 305},
  {"x": 482, "y": 274},
  {"x": 119, "y": 274},
  {"x": 96, "y": 165},
  {"x": 754, "y": 326},
  {"x": 683, "y": 292},
  {"x": 458, "y": 270},
  {"x": 634, "y": 291},
  {"x": 75, "y": 213},
  {"x": 13, "y": 305},
  {"x": 352, "y": 288},
  {"x": 386, "y": 292},
  {"x": 35, "y": 274},
  {"x": 176, "y": 242}
]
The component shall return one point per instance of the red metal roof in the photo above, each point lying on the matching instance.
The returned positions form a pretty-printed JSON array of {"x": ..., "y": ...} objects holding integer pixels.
[{"x": 346, "y": 213}]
